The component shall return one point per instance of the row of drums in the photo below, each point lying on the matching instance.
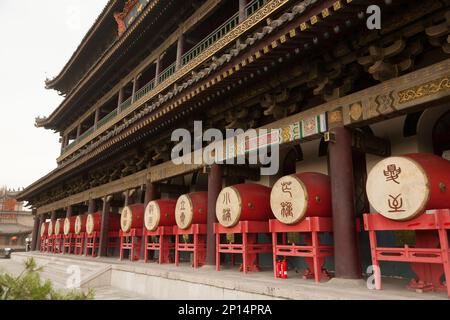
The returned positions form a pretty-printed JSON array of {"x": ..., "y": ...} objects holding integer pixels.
[{"x": 400, "y": 188}]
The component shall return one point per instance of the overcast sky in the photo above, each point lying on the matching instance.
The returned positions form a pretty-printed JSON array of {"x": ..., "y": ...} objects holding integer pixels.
[{"x": 37, "y": 38}]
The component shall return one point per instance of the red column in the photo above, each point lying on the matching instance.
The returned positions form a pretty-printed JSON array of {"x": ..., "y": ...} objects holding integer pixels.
[
  {"x": 103, "y": 250},
  {"x": 214, "y": 188},
  {"x": 38, "y": 241},
  {"x": 346, "y": 255},
  {"x": 36, "y": 227},
  {"x": 69, "y": 212}
]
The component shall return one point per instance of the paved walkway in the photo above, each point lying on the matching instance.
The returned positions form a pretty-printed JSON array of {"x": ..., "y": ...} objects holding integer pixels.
[{"x": 131, "y": 276}]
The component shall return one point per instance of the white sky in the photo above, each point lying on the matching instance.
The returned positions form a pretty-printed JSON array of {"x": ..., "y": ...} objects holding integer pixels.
[{"x": 37, "y": 38}]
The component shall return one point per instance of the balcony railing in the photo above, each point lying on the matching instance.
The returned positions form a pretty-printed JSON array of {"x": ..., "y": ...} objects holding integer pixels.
[
  {"x": 212, "y": 38},
  {"x": 106, "y": 118},
  {"x": 144, "y": 90},
  {"x": 217, "y": 34},
  {"x": 167, "y": 73}
]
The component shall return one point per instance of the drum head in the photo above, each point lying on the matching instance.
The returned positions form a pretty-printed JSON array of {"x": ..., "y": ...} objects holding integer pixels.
[
  {"x": 289, "y": 200},
  {"x": 184, "y": 212},
  {"x": 398, "y": 188},
  {"x": 152, "y": 216},
  {"x": 126, "y": 219},
  {"x": 229, "y": 207}
]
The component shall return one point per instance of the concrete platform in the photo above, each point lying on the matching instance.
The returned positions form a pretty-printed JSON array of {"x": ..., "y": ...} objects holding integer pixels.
[{"x": 153, "y": 281}]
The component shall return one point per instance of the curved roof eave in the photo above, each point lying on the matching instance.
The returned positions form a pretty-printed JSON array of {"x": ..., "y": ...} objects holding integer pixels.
[{"x": 53, "y": 83}]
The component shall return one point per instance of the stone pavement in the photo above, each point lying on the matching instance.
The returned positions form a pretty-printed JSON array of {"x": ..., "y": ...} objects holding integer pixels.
[{"x": 155, "y": 281}]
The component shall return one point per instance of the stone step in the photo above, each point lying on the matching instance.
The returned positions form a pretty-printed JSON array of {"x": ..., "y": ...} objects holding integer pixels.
[{"x": 65, "y": 267}]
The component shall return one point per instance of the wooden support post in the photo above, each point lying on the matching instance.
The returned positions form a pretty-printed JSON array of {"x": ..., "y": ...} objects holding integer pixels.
[
  {"x": 157, "y": 71},
  {"x": 120, "y": 99},
  {"x": 36, "y": 227},
  {"x": 180, "y": 52},
  {"x": 91, "y": 206},
  {"x": 214, "y": 188},
  {"x": 69, "y": 212},
  {"x": 135, "y": 87},
  {"x": 346, "y": 255},
  {"x": 78, "y": 131},
  {"x": 127, "y": 198},
  {"x": 242, "y": 13},
  {"x": 41, "y": 221},
  {"x": 103, "y": 249},
  {"x": 96, "y": 118},
  {"x": 53, "y": 217}
]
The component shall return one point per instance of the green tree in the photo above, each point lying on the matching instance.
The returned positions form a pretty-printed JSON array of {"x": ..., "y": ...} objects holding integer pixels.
[{"x": 29, "y": 286}]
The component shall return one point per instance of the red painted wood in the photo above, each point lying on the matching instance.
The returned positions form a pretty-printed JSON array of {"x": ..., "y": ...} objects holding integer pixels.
[
  {"x": 317, "y": 185},
  {"x": 437, "y": 170},
  {"x": 71, "y": 220},
  {"x": 114, "y": 222}
]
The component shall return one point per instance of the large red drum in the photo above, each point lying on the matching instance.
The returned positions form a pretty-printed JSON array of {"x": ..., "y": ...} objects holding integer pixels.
[
  {"x": 132, "y": 217},
  {"x": 243, "y": 202},
  {"x": 301, "y": 195},
  {"x": 51, "y": 228},
  {"x": 59, "y": 227},
  {"x": 80, "y": 223},
  {"x": 191, "y": 209},
  {"x": 44, "y": 229},
  {"x": 160, "y": 213},
  {"x": 69, "y": 225},
  {"x": 403, "y": 187},
  {"x": 94, "y": 222}
]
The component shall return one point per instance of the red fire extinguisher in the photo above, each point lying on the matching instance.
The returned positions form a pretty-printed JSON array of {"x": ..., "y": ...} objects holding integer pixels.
[{"x": 281, "y": 269}]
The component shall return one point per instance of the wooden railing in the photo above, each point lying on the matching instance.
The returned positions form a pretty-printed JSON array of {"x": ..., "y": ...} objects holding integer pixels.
[{"x": 203, "y": 45}]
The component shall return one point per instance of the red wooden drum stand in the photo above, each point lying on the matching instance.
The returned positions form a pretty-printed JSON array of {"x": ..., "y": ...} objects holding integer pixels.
[
  {"x": 69, "y": 244},
  {"x": 79, "y": 243},
  {"x": 131, "y": 241},
  {"x": 313, "y": 251},
  {"x": 249, "y": 248},
  {"x": 197, "y": 247},
  {"x": 50, "y": 244},
  {"x": 164, "y": 244},
  {"x": 44, "y": 244},
  {"x": 429, "y": 258},
  {"x": 93, "y": 242},
  {"x": 58, "y": 243}
]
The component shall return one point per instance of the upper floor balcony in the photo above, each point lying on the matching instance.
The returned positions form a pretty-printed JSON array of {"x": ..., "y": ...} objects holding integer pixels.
[{"x": 159, "y": 74}]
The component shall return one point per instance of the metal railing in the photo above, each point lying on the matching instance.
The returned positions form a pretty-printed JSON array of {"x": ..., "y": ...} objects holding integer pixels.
[
  {"x": 106, "y": 118},
  {"x": 167, "y": 73},
  {"x": 212, "y": 38},
  {"x": 144, "y": 90},
  {"x": 88, "y": 132}
]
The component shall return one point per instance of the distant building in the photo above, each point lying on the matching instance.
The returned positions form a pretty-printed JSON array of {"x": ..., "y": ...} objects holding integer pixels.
[{"x": 15, "y": 223}]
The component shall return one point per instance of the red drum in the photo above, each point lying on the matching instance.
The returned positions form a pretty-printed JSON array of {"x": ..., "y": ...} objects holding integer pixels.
[
  {"x": 301, "y": 195},
  {"x": 94, "y": 222},
  {"x": 132, "y": 217},
  {"x": 80, "y": 223},
  {"x": 44, "y": 229},
  {"x": 69, "y": 225},
  {"x": 191, "y": 209},
  {"x": 403, "y": 187},
  {"x": 59, "y": 227},
  {"x": 243, "y": 202},
  {"x": 51, "y": 228},
  {"x": 160, "y": 213}
]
